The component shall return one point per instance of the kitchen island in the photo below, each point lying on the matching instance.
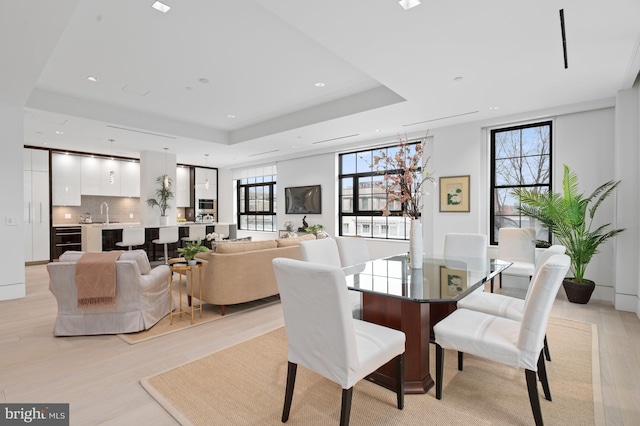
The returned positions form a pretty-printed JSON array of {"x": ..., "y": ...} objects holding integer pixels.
[{"x": 102, "y": 237}]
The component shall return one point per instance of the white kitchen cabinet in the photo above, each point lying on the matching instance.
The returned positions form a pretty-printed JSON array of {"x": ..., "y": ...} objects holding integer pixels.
[
  {"x": 129, "y": 179},
  {"x": 183, "y": 187},
  {"x": 36, "y": 205},
  {"x": 204, "y": 191},
  {"x": 65, "y": 177},
  {"x": 90, "y": 167}
]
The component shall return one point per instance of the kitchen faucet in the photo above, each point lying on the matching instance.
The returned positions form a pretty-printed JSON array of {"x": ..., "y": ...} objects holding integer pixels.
[{"x": 104, "y": 203}]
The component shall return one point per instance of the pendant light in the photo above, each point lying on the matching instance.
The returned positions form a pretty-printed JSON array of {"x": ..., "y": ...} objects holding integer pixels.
[
  {"x": 166, "y": 175},
  {"x": 206, "y": 181},
  {"x": 112, "y": 173}
]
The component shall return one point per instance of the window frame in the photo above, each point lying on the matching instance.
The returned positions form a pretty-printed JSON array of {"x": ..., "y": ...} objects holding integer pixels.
[
  {"x": 370, "y": 216},
  {"x": 493, "y": 187},
  {"x": 243, "y": 185}
]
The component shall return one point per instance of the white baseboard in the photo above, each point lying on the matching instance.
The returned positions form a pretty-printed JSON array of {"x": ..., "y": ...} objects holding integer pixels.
[
  {"x": 627, "y": 303},
  {"x": 12, "y": 291}
]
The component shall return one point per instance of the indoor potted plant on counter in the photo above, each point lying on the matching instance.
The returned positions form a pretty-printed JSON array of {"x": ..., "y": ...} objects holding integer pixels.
[
  {"x": 163, "y": 195},
  {"x": 569, "y": 217},
  {"x": 190, "y": 250}
]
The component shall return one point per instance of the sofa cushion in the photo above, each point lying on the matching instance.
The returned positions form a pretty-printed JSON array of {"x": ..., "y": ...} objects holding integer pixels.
[
  {"x": 141, "y": 259},
  {"x": 242, "y": 246},
  {"x": 287, "y": 242}
]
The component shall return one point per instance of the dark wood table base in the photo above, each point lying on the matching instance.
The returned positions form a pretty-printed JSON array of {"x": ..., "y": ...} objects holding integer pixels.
[{"x": 416, "y": 321}]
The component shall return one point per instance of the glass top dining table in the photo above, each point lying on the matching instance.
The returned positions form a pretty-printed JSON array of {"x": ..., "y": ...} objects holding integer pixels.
[
  {"x": 439, "y": 280},
  {"x": 413, "y": 300}
]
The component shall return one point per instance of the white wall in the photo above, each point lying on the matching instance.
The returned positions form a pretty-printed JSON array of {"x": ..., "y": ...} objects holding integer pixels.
[
  {"x": 584, "y": 140},
  {"x": 12, "y": 281},
  {"x": 316, "y": 170},
  {"x": 627, "y": 244},
  {"x": 152, "y": 165},
  {"x": 584, "y": 137}
]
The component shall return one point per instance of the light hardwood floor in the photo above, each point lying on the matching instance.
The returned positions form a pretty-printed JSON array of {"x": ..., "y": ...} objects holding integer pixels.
[{"x": 99, "y": 376}]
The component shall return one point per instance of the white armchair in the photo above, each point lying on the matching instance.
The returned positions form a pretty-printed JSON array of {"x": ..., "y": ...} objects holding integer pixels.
[
  {"x": 513, "y": 343},
  {"x": 142, "y": 297},
  {"x": 323, "y": 336}
]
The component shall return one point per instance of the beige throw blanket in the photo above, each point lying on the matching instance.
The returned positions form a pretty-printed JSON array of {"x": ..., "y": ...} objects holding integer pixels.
[{"x": 96, "y": 278}]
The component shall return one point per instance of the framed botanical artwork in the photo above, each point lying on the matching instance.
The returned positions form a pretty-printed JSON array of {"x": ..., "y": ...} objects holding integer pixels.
[
  {"x": 452, "y": 281},
  {"x": 454, "y": 193}
]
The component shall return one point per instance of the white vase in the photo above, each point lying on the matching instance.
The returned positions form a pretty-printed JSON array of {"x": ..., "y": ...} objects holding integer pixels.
[
  {"x": 415, "y": 244},
  {"x": 164, "y": 220}
]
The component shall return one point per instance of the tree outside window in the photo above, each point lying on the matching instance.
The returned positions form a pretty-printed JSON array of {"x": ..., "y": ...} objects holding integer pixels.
[{"x": 521, "y": 158}]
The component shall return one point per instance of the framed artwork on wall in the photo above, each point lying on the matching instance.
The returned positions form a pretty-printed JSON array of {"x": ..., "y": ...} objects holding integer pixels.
[{"x": 454, "y": 194}]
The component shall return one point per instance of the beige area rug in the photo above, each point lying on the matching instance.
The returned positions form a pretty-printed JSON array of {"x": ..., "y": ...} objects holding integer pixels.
[
  {"x": 244, "y": 385},
  {"x": 209, "y": 313}
]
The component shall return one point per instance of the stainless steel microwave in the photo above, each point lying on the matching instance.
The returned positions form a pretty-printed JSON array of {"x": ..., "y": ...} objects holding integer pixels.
[{"x": 205, "y": 204}]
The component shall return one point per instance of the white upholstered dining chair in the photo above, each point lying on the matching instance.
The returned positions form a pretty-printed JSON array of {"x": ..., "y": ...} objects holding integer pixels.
[
  {"x": 514, "y": 343},
  {"x": 465, "y": 245},
  {"x": 325, "y": 251},
  {"x": 323, "y": 336},
  {"x": 507, "y": 306},
  {"x": 518, "y": 246}
]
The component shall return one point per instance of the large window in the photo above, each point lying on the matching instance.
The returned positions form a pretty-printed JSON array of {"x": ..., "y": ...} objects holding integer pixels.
[
  {"x": 362, "y": 197},
  {"x": 257, "y": 203},
  {"x": 520, "y": 158}
]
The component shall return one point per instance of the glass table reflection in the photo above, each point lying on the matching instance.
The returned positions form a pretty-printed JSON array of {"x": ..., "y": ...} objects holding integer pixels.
[{"x": 413, "y": 300}]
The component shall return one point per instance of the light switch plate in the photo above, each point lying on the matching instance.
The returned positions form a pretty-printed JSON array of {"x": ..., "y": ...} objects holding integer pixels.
[{"x": 11, "y": 221}]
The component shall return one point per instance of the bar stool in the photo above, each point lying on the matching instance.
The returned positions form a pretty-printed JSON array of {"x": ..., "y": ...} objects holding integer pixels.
[
  {"x": 196, "y": 232},
  {"x": 131, "y": 237},
  {"x": 168, "y": 235}
]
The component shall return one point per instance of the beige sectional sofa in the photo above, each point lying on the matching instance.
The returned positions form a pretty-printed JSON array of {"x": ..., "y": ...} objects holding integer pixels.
[{"x": 239, "y": 272}]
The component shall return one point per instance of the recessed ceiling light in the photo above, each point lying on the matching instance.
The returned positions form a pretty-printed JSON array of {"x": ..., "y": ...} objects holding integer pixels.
[
  {"x": 294, "y": 146},
  {"x": 320, "y": 84},
  {"x": 58, "y": 132},
  {"x": 408, "y": 4},
  {"x": 493, "y": 108},
  {"x": 231, "y": 116},
  {"x": 92, "y": 79},
  {"x": 159, "y": 6},
  {"x": 457, "y": 79},
  {"x": 378, "y": 130},
  {"x": 204, "y": 80}
]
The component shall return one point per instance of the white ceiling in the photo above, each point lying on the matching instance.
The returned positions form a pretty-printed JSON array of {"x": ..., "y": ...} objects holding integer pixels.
[{"x": 386, "y": 70}]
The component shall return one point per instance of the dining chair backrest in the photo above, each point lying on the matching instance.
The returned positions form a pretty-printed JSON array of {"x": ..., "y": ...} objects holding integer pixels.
[
  {"x": 517, "y": 244},
  {"x": 352, "y": 250},
  {"x": 465, "y": 245},
  {"x": 324, "y": 251},
  {"x": 317, "y": 316},
  {"x": 538, "y": 309},
  {"x": 542, "y": 259}
]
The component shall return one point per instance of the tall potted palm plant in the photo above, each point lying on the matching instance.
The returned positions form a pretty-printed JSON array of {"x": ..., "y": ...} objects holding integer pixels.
[
  {"x": 569, "y": 217},
  {"x": 163, "y": 195}
]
